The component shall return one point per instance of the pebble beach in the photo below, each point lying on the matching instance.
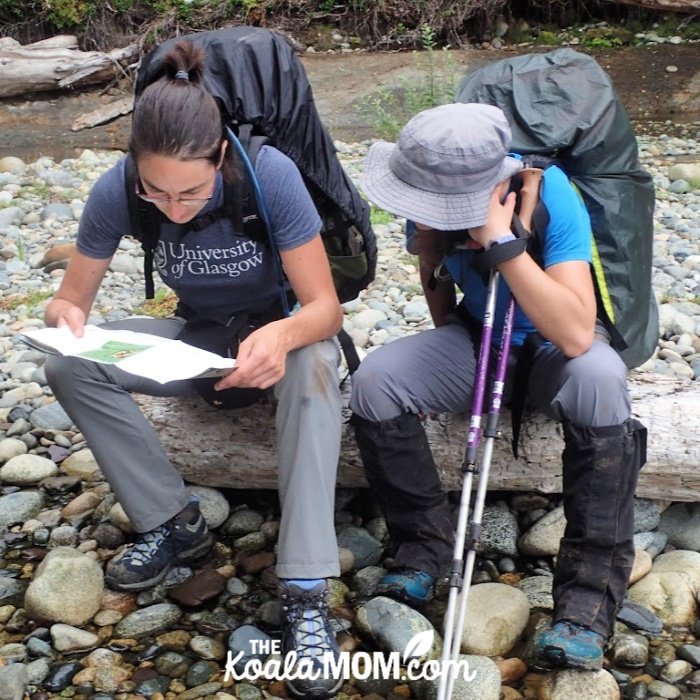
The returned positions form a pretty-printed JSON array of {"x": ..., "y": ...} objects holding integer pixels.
[{"x": 63, "y": 634}]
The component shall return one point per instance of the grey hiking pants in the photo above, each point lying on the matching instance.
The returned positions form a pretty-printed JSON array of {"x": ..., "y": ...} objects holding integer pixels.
[
  {"x": 98, "y": 399},
  {"x": 433, "y": 372}
]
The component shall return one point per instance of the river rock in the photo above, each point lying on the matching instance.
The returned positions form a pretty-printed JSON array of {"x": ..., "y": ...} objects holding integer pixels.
[
  {"x": 9, "y": 164},
  {"x": 148, "y": 621},
  {"x": 668, "y": 595},
  {"x": 212, "y": 504},
  {"x": 642, "y": 565},
  {"x": 367, "y": 551},
  {"x": 542, "y": 539},
  {"x": 27, "y": 470},
  {"x": 20, "y": 506},
  {"x": 681, "y": 522},
  {"x": 482, "y": 682},
  {"x": 682, "y": 562},
  {"x": 538, "y": 590},
  {"x": 496, "y": 617},
  {"x": 499, "y": 532},
  {"x": 565, "y": 685},
  {"x": 67, "y": 639},
  {"x": 392, "y": 625},
  {"x": 67, "y": 587},
  {"x": 11, "y": 447},
  {"x": 82, "y": 464},
  {"x": 630, "y": 650},
  {"x": 13, "y": 681}
]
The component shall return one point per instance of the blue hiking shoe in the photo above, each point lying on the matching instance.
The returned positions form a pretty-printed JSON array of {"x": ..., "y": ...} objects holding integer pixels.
[
  {"x": 145, "y": 563},
  {"x": 410, "y": 586},
  {"x": 570, "y": 645},
  {"x": 307, "y": 633}
]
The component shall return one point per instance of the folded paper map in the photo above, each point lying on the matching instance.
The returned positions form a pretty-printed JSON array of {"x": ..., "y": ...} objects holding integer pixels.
[{"x": 151, "y": 356}]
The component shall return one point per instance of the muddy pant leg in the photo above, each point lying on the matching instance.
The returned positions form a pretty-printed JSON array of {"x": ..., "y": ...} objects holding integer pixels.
[
  {"x": 404, "y": 478},
  {"x": 98, "y": 399},
  {"x": 427, "y": 373},
  {"x": 597, "y": 552},
  {"x": 601, "y": 461},
  {"x": 308, "y": 438}
]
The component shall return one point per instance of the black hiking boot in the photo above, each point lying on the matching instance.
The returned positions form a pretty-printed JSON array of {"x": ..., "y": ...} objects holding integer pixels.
[{"x": 145, "y": 563}]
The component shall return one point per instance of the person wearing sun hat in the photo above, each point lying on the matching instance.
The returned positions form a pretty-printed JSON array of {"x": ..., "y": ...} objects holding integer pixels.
[{"x": 449, "y": 174}]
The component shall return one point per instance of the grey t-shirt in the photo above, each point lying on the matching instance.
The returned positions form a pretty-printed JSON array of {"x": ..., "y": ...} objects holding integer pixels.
[{"x": 216, "y": 271}]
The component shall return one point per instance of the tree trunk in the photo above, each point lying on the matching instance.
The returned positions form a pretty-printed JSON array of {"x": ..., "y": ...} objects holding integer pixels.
[
  {"x": 236, "y": 449},
  {"x": 56, "y": 63}
]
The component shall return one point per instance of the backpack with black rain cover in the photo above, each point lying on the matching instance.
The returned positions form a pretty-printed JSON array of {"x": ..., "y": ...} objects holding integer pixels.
[
  {"x": 261, "y": 87},
  {"x": 264, "y": 96},
  {"x": 562, "y": 104}
]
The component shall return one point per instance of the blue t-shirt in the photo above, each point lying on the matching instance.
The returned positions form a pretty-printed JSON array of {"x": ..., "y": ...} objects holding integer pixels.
[
  {"x": 216, "y": 271},
  {"x": 566, "y": 238}
]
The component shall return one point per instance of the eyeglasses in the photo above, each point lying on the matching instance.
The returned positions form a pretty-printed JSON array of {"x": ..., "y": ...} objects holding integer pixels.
[{"x": 157, "y": 199}]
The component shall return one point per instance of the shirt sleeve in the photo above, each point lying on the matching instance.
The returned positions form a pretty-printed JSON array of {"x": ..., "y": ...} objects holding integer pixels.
[
  {"x": 293, "y": 216},
  {"x": 105, "y": 218},
  {"x": 568, "y": 235}
]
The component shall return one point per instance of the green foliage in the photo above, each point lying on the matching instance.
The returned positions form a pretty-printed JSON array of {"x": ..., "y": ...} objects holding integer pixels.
[
  {"x": 434, "y": 83},
  {"x": 691, "y": 30},
  {"x": 123, "y": 5},
  {"x": 72, "y": 14},
  {"x": 161, "y": 306},
  {"x": 21, "y": 248},
  {"x": 547, "y": 38},
  {"x": 248, "y": 5},
  {"x": 668, "y": 26},
  {"x": 379, "y": 216},
  {"x": 601, "y": 42},
  {"x": 68, "y": 13},
  {"x": 606, "y": 37},
  {"x": 14, "y": 301},
  {"x": 10, "y": 10},
  {"x": 40, "y": 189},
  {"x": 675, "y": 25}
]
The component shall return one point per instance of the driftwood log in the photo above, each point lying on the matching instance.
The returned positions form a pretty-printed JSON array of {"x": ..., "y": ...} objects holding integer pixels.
[
  {"x": 57, "y": 63},
  {"x": 665, "y": 5},
  {"x": 105, "y": 114},
  {"x": 236, "y": 449}
]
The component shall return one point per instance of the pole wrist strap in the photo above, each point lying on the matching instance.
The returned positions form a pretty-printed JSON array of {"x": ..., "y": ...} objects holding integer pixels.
[{"x": 496, "y": 254}]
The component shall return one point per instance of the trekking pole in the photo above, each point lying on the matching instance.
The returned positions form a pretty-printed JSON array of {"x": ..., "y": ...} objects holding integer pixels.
[{"x": 461, "y": 573}]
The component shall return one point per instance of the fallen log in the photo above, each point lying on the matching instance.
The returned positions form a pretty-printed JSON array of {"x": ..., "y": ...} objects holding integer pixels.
[
  {"x": 57, "y": 63},
  {"x": 104, "y": 114},
  {"x": 236, "y": 449},
  {"x": 689, "y": 6}
]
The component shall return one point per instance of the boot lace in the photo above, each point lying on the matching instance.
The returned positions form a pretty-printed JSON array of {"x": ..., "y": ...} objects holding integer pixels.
[
  {"x": 148, "y": 545},
  {"x": 306, "y": 616}
]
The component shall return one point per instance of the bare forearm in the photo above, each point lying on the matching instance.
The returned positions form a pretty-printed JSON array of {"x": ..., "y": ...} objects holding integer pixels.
[
  {"x": 559, "y": 313},
  {"x": 78, "y": 288},
  {"x": 319, "y": 320}
]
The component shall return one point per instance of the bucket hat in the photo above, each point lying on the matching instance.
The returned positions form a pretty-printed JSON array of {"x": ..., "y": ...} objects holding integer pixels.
[{"x": 444, "y": 167}]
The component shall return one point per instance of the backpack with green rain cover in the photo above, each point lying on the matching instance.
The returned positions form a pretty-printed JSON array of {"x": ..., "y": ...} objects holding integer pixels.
[{"x": 563, "y": 105}]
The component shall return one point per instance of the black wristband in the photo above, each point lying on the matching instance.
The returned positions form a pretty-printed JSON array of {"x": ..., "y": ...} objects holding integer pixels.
[{"x": 497, "y": 254}]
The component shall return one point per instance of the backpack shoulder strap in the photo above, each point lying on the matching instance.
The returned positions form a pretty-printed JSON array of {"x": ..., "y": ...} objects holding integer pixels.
[{"x": 240, "y": 203}]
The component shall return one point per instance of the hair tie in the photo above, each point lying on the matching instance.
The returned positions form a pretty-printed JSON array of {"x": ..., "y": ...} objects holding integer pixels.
[{"x": 182, "y": 75}]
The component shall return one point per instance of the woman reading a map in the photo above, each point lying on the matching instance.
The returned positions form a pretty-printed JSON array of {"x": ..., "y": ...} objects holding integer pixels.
[{"x": 181, "y": 155}]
